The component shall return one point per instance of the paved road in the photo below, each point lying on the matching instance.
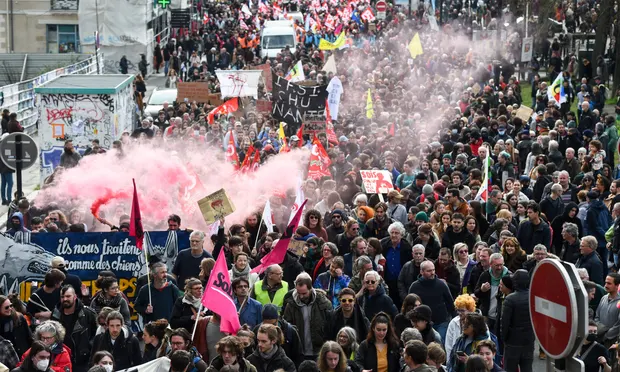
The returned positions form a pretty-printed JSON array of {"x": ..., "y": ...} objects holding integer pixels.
[{"x": 31, "y": 176}]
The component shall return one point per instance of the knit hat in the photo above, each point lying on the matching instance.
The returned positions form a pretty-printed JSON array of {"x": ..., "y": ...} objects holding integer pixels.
[
  {"x": 422, "y": 312},
  {"x": 339, "y": 212},
  {"x": 421, "y": 176},
  {"x": 507, "y": 282},
  {"x": 270, "y": 311},
  {"x": 427, "y": 189},
  {"x": 421, "y": 216}
]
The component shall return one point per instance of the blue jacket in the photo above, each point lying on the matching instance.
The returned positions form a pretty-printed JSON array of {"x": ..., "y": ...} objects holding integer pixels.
[
  {"x": 598, "y": 221},
  {"x": 332, "y": 286},
  {"x": 251, "y": 313}
]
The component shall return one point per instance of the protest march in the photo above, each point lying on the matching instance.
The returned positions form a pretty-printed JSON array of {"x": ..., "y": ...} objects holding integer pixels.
[{"x": 339, "y": 186}]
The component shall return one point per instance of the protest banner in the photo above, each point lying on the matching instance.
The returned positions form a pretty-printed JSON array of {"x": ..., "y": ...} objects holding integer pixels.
[
  {"x": 239, "y": 83},
  {"x": 524, "y": 113},
  {"x": 292, "y": 101},
  {"x": 215, "y": 206},
  {"x": 377, "y": 181},
  {"x": 197, "y": 91},
  {"x": 262, "y": 105},
  {"x": 25, "y": 262}
]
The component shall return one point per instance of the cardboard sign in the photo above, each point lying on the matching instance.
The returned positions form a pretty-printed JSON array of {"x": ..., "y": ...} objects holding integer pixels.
[
  {"x": 476, "y": 88},
  {"x": 314, "y": 124},
  {"x": 524, "y": 113},
  {"x": 198, "y": 91},
  {"x": 377, "y": 181},
  {"x": 296, "y": 246},
  {"x": 215, "y": 206},
  {"x": 263, "y": 105}
]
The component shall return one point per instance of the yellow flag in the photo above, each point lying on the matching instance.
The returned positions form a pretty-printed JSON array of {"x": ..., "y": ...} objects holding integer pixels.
[
  {"x": 281, "y": 132},
  {"x": 326, "y": 45},
  {"x": 415, "y": 46},
  {"x": 370, "y": 112}
]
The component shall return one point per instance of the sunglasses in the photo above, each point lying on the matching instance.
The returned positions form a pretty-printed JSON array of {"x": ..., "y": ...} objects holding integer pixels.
[
  {"x": 347, "y": 300},
  {"x": 8, "y": 307},
  {"x": 371, "y": 281}
]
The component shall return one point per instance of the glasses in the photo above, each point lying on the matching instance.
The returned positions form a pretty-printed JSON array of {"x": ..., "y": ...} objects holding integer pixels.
[
  {"x": 195, "y": 241},
  {"x": 43, "y": 338},
  {"x": 463, "y": 251},
  {"x": 277, "y": 274},
  {"x": 355, "y": 228},
  {"x": 370, "y": 281},
  {"x": 8, "y": 307},
  {"x": 313, "y": 217},
  {"x": 114, "y": 288},
  {"x": 336, "y": 216},
  {"x": 177, "y": 343},
  {"x": 347, "y": 300}
]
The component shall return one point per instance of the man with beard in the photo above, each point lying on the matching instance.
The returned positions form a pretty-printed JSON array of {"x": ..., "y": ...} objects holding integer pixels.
[
  {"x": 447, "y": 272},
  {"x": 162, "y": 292},
  {"x": 410, "y": 271},
  {"x": 80, "y": 323},
  {"x": 69, "y": 158},
  {"x": 377, "y": 227},
  {"x": 456, "y": 233},
  {"x": 124, "y": 347}
]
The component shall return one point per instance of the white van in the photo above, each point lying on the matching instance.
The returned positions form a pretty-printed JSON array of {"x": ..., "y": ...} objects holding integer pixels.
[{"x": 276, "y": 36}]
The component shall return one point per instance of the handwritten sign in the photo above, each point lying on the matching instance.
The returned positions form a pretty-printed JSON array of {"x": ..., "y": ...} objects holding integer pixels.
[
  {"x": 263, "y": 105},
  {"x": 314, "y": 124},
  {"x": 215, "y": 206},
  {"x": 377, "y": 181},
  {"x": 524, "y": 113},
  {"x": 198, "y": 91}
]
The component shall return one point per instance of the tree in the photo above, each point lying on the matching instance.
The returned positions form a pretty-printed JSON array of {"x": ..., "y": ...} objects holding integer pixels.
[{"x": 603, "y": 26}]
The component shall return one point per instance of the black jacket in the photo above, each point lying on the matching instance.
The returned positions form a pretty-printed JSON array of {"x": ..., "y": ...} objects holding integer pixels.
[
  {"x": 516, "y": 322},
  {"x": 435, "y": 294},
  {"x": 529, "y": 235},
  {"x": 450, "y": 238},
  {"x": 366, "y": 357},
  {"x": 278, "y": 361},
  {"x": 182, "y": 315},
  {"x": 593, "y": 265},
  {"x": 126, "y": 349},
  {"x": 432, "y": 248},
  {"x": 292, "y": 342},
  {"x": 452, "y": 277},
  {"x": 83, "y": 332},
  {"x": 380, "y": 301},
  {"x": 360, "y": 323},
  {"x": 408, "y": 274},
  {"x": 484, "y": 298},
  {"x": 21, "y": 337}
]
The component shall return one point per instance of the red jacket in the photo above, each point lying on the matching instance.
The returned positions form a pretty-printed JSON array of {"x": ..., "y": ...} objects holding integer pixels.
[{"x": 60, "y": 362}]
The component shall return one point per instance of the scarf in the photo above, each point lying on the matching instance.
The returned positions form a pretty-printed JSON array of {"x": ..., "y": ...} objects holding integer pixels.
[
  {"x": 237, "y": 274},
  {"x": 114, "y": 302},
  {"x": 191, "y": 300},
  {"x": 270, "y": 354},
  {"x": 495, "y": 281}
]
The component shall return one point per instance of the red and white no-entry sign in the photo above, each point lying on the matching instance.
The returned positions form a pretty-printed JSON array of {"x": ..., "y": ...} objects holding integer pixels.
[
  {"x": 557, "y": 304},
  {"x": 381, "y": 6}
]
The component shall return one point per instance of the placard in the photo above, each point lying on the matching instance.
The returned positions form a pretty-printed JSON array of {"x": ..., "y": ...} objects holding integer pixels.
[
  {"x": 524, "y": 113},
  {"x": 196, "y": 91},
  {"x": 296, "y": 246},
  {"x": 215, "y": 206},
  {"x": 377, "y": 181},
  {"x": 263, "y": 105},
  {"x": 314, "y": 124}
]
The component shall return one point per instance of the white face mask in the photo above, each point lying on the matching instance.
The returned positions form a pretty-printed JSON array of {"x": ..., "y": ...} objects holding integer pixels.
[
  {"x": 108, "y": 367},
  {"x": 42, "y": 364}
]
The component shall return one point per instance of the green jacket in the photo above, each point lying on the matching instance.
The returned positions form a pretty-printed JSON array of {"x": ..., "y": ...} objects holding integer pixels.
[{"x": 320, "y": 317}]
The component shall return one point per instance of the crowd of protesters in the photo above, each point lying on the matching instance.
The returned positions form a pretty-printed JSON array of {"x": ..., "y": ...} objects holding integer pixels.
[{"x": 432, "y": 276}]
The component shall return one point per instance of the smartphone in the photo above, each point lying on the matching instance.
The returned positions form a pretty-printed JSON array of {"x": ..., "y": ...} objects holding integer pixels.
[{"x": 461, "y": 353}]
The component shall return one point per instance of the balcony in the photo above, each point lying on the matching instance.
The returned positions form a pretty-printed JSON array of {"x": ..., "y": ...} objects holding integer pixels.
[{"x": 64, "y": 5}]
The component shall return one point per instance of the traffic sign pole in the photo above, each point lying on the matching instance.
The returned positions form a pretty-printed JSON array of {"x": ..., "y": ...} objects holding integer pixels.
[{"x": 18, "y": 165}]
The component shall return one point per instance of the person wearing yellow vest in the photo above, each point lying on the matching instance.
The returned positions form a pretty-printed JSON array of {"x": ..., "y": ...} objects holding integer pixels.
[{"x": 272, "y": 289}]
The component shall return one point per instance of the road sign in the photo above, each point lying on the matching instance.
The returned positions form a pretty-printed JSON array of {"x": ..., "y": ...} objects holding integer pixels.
[
  {"x": 8, "y": 151},
  {"x": 558, "y": 308},
  {"x": 381, "y": 7}
]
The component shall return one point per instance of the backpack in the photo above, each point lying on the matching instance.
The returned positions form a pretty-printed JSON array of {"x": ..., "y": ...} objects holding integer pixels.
[{"x": 196, "y": 360}]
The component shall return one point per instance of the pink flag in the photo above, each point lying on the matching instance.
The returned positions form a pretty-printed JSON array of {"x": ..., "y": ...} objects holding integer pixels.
[
  {"x": 277, "y": 254},
  {"x": 217, "y": 296}
]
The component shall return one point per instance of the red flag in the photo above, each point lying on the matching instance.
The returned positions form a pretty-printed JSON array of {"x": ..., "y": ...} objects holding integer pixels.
[
  {"x": 284, "y": 147},
  {"x": 135, "y": 224},
  {"x": 319, "y": 161},
  {"x": 217, "y": 296},
  {"x": 300, "y": 134},
  {"x": 245, "y": 166},
  {"x": 277, "y": 254},
  {"x": 227, "y": 107},
  {"x": 331, "y": 134},
  {"x": 231, "y": 151},
  {"x": 255, "y": 163}
]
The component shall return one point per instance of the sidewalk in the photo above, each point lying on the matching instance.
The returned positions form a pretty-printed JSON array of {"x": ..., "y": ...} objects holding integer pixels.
[{"x": 31, "y": 177}]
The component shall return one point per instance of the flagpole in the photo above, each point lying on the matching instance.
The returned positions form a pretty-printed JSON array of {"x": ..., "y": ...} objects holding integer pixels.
[
  {"x": 148, "y": 271},
  {"x": 197, "y": 318},
  {"x": 258, "y": 233}
]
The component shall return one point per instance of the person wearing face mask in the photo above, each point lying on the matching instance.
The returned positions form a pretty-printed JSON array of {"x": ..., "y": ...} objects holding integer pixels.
[
  {"x": 594, "y": 355},
  {"x": 38, "y": 359},
  {"x": 104, "y": 359},
  {"x": 52, "y": 333}
]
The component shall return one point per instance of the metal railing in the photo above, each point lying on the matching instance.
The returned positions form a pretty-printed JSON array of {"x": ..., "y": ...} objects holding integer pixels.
[{"x": 21, "y": 99}]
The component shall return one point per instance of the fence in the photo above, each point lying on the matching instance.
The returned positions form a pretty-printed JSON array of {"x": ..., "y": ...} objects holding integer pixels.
[{"x": 21, "y": 99}]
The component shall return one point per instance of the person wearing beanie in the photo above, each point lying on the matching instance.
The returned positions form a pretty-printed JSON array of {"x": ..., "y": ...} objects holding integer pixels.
[
  {"x": 364, "y": 213},
  {"x": 292, "y": 342},
  {"x": 421, "y": 317},
  {"x": 337, "y": 226},
  {"x": 416, "y": 186}
]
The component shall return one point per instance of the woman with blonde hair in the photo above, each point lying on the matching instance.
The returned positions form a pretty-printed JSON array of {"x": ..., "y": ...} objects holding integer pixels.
[
  {"x": 514, "y": 255},
  {"x": 185, "y": 311},
  {"x": 172, "y": 80},
  {"x": 332, "y": 358}
]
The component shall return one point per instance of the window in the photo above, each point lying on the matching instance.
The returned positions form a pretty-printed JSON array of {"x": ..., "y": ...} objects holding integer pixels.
[{"x": 63, "y": 39}]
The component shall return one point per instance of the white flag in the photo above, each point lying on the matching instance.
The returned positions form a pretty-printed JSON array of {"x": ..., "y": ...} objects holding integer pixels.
[
  {"x": 267, "y": 217},
  {"x": 330, "y": 65},
  {"x": 299, "y": 200},
  {"x": 335, "y": 91},
  {"x": 239, "y": 83}
]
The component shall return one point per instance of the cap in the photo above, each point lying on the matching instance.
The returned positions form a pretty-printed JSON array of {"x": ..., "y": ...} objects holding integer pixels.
[
  {"x": 338, "y": 211},
  {"x": 294, "y": 138},
  {"x": 270, "y": 311},
  {"x": 524, "y": 179},
  {"x": 421, "y": 216},
  {"x": 588, "y": 133},
  {"x": 394, "y": 194},
  {"x": 58, "y": 262},
  {"x": 421, "y": 176},
  {"x": 447, "y": 156},
  {"x": 427, "y": 189},
  {"x": 343, "y": 139},
  {"x": 507, "y": 282}
]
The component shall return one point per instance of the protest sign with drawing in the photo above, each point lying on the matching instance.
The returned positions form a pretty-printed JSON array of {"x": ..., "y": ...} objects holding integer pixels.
[
  {"x": 524, "y": 113},
  {"x": 377, "y": 181},
  {"x": 215, "y": 206}
]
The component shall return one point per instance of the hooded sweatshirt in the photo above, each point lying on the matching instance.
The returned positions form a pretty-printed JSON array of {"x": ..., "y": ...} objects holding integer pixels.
[{"x": 17, "y": 227}]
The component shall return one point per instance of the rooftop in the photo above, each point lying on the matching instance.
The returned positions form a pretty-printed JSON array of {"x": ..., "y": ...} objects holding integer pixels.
[{"x": 86, "y": 84}]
